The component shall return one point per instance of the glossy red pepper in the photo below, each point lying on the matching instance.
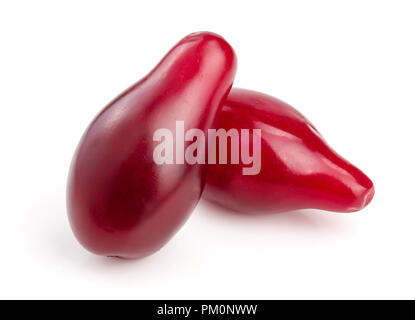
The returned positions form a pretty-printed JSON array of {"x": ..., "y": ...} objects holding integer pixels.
[
  {"x": 120, "y": 202},
  {"x": 298, "y": 169}
]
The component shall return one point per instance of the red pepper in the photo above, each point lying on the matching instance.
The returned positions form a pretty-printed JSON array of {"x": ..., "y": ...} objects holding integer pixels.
[
  {"x": 120, "y": 202},
  {"x": 298, "y": 169}
]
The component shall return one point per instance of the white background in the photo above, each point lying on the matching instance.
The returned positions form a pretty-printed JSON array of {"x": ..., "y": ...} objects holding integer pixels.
[{"x": 349, "y": 66}]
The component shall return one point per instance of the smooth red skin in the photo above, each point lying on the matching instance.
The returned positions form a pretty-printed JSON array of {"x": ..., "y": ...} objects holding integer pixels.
[
  {"x": 120, "y": 202},
  {"x": 299, "y": 170}
]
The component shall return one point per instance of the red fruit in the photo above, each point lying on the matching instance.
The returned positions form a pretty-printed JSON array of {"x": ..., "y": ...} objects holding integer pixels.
[
  {"x": 298, "y": 169},
  {"x": 120, "y": 202}
]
